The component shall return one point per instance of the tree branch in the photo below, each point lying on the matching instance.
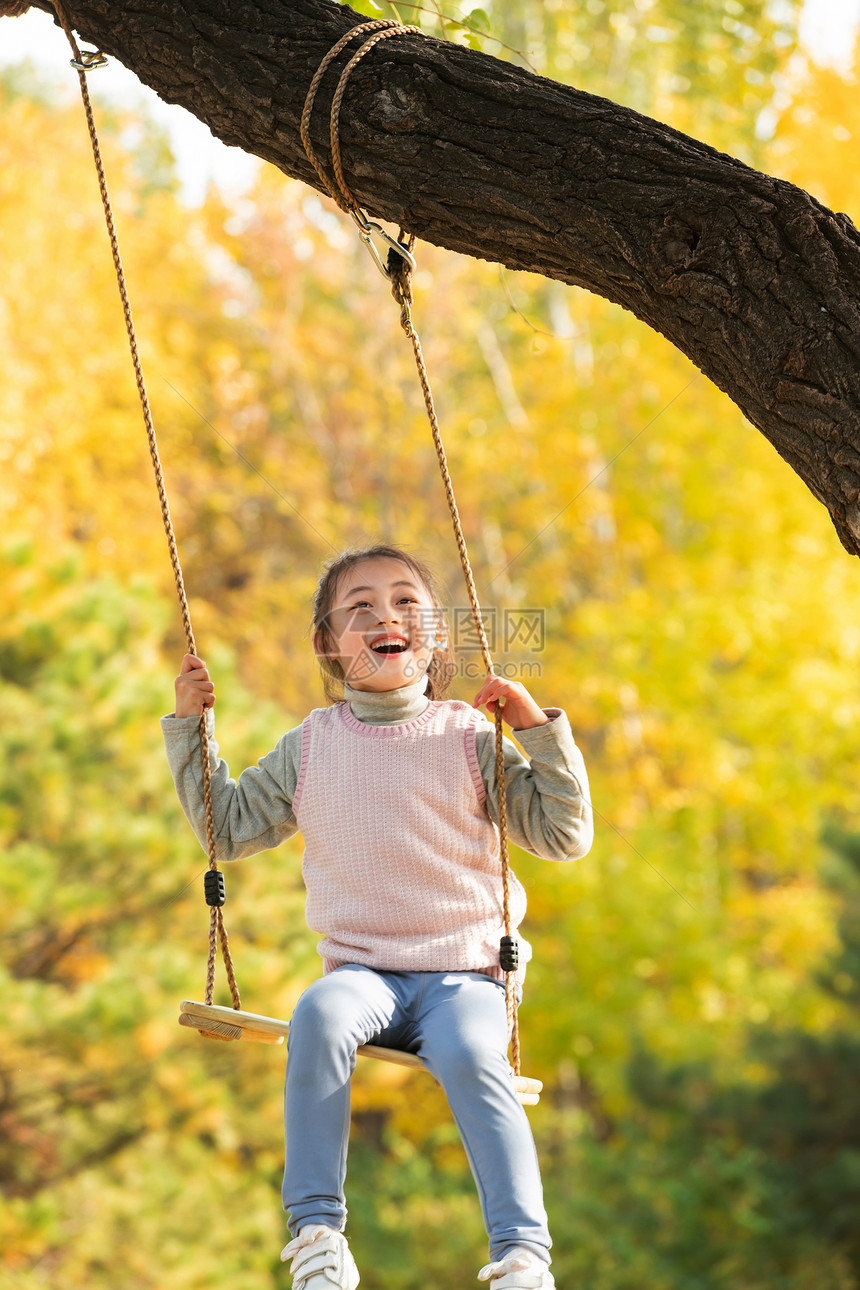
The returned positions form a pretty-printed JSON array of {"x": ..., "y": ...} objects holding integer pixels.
[{"x": 749, "y": 276}]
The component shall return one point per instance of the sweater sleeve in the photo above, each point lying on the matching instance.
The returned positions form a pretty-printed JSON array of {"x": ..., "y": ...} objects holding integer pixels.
[
  {"x": 548, "y": 799},
  {"x": 253, "y": 813}
]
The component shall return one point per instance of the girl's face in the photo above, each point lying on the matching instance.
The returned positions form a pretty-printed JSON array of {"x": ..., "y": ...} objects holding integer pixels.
[{"x": 383, "y": 626}]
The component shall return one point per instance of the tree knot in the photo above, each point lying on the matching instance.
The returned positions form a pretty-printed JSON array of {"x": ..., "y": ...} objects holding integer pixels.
[{"x": 679, "y": 238}]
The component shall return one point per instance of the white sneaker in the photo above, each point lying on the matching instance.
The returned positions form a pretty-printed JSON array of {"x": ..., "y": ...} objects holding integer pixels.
[
  {"x": 519, "y": 1270},
  {"x": 321, "y": 1260}
]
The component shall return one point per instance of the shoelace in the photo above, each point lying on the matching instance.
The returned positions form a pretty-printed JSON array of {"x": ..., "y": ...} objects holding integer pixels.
[{"x": 313, "y": 1250}]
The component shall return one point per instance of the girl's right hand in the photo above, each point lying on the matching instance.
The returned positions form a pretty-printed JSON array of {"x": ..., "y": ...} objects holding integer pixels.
[{"x": 194, "y": 690}]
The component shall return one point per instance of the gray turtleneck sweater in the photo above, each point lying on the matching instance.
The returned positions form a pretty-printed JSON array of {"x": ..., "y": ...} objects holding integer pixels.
[{"x": 548, "y": 803}]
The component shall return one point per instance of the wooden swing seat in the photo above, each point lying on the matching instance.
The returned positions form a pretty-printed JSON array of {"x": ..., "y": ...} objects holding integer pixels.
[{"x": 231, "y": 1023}]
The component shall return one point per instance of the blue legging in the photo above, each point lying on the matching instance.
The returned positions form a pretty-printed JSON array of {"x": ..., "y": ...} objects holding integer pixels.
[{"x": 457, "y": 1024}]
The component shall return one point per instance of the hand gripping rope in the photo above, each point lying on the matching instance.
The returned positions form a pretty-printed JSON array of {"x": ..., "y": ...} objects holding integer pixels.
[
  {"x": 225, "y": 1023},
  {"x": 398, "y": 268}
]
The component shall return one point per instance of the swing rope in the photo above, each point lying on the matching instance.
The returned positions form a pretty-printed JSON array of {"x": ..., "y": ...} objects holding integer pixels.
[
  {"x": 399, "y": 271},
  {"x": 217, "y": 931}
]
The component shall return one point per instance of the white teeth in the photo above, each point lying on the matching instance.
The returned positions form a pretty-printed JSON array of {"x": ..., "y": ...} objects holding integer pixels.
[{"x": 389, "y": 647}]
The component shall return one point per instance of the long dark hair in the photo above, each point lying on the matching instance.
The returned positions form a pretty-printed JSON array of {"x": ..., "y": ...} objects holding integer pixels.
[{"x": 441, "y": 669}]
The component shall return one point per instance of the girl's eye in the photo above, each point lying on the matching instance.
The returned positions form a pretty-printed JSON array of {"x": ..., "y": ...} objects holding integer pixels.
[{"x": 360, "y": 604}]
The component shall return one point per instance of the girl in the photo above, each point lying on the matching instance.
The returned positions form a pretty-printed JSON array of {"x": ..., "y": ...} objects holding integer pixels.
[{"x": 394, "y": 790}]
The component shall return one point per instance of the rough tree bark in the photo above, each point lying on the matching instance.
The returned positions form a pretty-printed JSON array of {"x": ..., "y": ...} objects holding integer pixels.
[{"x": 751, "y": 277}]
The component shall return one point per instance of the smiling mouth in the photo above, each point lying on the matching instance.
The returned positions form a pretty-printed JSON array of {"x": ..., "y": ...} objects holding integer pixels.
[{"x": 390, "y": 647}]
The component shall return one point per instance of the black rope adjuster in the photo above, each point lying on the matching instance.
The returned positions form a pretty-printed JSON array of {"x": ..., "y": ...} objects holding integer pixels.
[
  {"x": 509, "y": 953},
  {"x": 214, "y": 887}
]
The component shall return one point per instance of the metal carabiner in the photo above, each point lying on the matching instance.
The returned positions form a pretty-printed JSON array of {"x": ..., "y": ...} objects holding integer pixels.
[
  {"x": 367, "y": 228},
  {"x": 89, "y": 61}
]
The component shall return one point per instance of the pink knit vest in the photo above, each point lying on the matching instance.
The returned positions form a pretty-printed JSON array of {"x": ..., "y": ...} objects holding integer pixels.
[{"x": 401, "y": 859}]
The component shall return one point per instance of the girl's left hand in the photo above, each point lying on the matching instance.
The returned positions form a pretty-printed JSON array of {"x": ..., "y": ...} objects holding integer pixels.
[{"x": 519, "y": 708}]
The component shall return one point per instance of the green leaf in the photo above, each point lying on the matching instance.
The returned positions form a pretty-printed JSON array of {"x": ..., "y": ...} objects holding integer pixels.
[
  {"x": 367, "y": 7},
  {"x": 477, "y": 18}
]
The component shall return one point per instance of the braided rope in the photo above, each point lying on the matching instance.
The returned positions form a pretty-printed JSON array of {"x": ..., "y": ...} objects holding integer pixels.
[
  {"x": 341, "y": 199},
  {"x": 217, "y": 931},
  {"x": 401, "y": 289}
]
